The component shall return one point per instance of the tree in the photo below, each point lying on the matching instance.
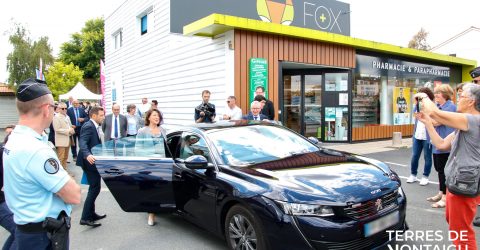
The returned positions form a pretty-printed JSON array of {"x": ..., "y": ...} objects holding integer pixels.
[
  {"x": 62, "y": 77},
  {"x": 25, "y": 57},
  {"x": 85, "y": 49},
  {"x": 419, "y": 41}
]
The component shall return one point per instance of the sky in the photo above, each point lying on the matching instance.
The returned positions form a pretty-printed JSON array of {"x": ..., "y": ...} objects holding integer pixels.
[{"x": 392, "y": 22}]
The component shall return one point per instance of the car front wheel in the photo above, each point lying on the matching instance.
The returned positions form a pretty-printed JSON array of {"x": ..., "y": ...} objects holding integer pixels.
[{"x": 242, "y": 230}]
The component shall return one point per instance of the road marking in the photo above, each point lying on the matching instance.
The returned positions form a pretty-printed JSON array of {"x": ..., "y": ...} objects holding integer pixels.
[
  {"x": 433, "y": 182},
  {"x": 393, "y": 163},
  {"x": 431, "y": 210}
]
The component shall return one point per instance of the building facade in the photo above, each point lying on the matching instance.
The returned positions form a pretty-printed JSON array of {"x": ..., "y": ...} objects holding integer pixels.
[{"x": 322, "y": 82}]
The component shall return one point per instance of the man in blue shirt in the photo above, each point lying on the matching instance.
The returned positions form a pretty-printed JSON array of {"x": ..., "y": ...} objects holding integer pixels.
[{"x": 36, "y": 186}]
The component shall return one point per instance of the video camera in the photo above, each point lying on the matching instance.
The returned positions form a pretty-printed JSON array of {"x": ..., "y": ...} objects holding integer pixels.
[{"x": 206, "y": 108}]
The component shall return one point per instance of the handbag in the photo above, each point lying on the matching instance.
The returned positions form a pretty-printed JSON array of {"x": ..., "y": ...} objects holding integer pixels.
[
  {"x": 464, "y": 179},
  {"x": 84, "y": 179}
]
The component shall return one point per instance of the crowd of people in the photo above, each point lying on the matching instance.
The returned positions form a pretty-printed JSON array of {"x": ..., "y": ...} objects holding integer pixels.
[
  {"x": 38, "y": 190},
  {"x": 450, "y": 134}
]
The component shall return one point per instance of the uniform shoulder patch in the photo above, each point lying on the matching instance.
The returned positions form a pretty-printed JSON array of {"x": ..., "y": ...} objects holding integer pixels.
[{"x": 51, "y": 166}]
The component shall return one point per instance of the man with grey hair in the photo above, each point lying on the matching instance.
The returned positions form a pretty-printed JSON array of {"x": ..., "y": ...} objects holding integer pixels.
[
  {"x": 37, "y": 189},
  {"x": 465, "y": 152},
  {"x": 115, "y": 125},
  {"x": 255, "y": 108}
]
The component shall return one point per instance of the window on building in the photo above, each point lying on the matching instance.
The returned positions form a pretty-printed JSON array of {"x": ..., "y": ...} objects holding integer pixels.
[
  {"x": 118, "y": 39},
  {"x": 144, "y": 24}
]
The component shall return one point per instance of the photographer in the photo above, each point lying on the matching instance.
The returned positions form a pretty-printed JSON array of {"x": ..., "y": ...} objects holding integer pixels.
[
  {"x": 465, "y": 155},
  {"x": 205, "y": 112}
]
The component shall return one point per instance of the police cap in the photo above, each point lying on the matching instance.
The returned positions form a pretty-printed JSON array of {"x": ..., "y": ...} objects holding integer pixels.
[
  {"x": 31, "y": 89},
  {"x": 475, "y": 72}
]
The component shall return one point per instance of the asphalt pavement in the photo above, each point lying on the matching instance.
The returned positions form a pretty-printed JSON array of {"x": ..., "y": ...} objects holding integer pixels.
[{"x": 121, "y": 230}]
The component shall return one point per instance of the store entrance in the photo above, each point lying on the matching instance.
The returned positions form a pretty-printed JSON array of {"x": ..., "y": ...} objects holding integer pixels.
[{"x": 315, "y": 103}]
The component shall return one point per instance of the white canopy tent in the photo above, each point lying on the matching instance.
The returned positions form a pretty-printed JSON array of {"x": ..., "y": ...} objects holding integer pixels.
[{"x": 80, "y": 92}]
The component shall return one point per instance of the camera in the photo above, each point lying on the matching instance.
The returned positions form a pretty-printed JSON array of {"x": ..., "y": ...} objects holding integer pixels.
[{"x": 206, "y": 108}]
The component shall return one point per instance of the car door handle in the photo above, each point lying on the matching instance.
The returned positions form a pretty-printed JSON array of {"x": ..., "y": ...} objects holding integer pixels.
[
  {"x": 114, "y": 171},
  {"x": 178, "y": 175}
]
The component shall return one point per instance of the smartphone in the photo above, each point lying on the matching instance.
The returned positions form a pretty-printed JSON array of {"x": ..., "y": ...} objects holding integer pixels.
[{"x": 418, "y": 104}]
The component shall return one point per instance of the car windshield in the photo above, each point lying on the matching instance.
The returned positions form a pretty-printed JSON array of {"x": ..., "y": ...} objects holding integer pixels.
[{"x": 243, "y": 146}]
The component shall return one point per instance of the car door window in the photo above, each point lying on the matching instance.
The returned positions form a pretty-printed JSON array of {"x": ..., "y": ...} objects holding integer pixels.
[
  {"x": 193, "y": 145},
  {"x": 140, "y": 146},
  {"x": 174, "y": 143}
]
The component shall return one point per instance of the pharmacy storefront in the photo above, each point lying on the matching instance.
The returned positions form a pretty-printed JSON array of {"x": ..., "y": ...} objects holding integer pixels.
[{"x": 323, "y": 83}]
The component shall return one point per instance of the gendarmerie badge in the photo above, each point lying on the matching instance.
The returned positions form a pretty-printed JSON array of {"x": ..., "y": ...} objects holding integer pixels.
[{"x": 51, "y": 166}]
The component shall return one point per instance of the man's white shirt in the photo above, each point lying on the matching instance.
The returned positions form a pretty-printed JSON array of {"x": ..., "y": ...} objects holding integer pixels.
[{"x": 234, "y": 114}]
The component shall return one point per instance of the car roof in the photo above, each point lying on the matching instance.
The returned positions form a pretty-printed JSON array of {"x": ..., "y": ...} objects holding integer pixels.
[{"x": 199, "y": 127}]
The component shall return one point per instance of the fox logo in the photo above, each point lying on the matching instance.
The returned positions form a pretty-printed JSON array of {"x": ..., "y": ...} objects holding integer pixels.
[{"x": 274, "y": 12}]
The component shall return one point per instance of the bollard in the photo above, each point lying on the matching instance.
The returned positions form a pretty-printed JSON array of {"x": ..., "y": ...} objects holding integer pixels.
[{"x": 397, "y": 139}]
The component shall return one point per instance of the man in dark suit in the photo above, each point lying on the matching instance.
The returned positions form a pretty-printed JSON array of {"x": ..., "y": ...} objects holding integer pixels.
[
  {"x": 78, "y": 117},
  {"x": 268, "y": 109},
  {"x": 115, "y": 125},
  {"x": 254, "y": 114},
  {"x": 89, "y": 138}
]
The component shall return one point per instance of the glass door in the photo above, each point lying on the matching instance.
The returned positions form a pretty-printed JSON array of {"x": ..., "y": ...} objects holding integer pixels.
[
  {"x": 312, "y": 122},
  {"x": 292, "y": 94},
  {"x": 335, "y": 102}
]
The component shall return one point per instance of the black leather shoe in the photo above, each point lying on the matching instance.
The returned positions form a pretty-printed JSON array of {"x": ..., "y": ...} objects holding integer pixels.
[
  {"x": 99, "y": 216},
  {"x": 476, "y": 222},
  {"x": 90, "y": 223}
]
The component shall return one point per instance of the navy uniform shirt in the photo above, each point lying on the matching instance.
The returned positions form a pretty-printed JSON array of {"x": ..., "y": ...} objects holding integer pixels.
[{"x": 32, "y": 177}]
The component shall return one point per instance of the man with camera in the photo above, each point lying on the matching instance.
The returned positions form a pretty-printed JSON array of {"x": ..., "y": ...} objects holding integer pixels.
[{"x": 205, "y": 112}]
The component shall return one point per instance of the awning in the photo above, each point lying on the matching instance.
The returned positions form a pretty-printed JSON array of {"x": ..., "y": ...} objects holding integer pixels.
[{"x": 215, "y": 24}]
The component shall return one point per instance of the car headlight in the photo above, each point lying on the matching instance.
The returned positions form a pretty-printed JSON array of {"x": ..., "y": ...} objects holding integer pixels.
[{"x": 307, "y": 209}]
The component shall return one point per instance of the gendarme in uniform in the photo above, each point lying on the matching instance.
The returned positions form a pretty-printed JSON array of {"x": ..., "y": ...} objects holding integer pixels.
[{"x": 33, "y": 175}]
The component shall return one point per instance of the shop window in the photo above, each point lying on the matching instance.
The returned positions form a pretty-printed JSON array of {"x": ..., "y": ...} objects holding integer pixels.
[
  {"x": 366, "y": 101},
  {"x": 336, "y": 82}
]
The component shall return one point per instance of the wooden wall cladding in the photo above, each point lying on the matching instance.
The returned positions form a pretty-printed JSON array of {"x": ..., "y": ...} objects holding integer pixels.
[
  {"x": 380, "y": 132},
  {"x": 277, "y": 48}
]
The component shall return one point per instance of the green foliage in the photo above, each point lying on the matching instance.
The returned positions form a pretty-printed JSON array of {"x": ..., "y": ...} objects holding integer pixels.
[
  {"x": 419, "y": 41},
  {"x": 85, "y": 49},
  {"x": 25, "y": 57},
  {"x": 62, "y": 77}
]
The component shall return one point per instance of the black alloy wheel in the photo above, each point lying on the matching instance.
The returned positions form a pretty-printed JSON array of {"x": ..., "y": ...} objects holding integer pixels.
[{"x": 242, "y": 230}]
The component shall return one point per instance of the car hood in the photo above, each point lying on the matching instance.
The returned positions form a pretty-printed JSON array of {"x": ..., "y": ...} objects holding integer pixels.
[{"x": 335, "y": 179}]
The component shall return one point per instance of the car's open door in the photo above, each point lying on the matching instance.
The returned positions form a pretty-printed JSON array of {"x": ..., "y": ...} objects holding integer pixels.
[{"x": 137, "y": 173}]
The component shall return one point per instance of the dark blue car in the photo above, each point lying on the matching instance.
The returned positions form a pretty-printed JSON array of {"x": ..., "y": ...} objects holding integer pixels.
[{"x": 258, "y": 185}]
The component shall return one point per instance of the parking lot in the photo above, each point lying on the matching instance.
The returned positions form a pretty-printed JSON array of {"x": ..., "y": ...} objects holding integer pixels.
[{"x": 122, "y": 230}]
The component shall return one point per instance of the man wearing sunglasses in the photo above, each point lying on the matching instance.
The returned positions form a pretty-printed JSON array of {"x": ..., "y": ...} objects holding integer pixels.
[
  {"x": 63, "y": 130},
  {"x": 232, "y": 111},
  {"x": 475, "y": 73}
]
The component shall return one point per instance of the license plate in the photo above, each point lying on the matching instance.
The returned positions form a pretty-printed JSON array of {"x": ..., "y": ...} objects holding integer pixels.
[{"x": 380, "y": 224}]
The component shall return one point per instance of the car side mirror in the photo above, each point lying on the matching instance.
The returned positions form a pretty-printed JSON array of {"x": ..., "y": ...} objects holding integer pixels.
[
  {"x": 314, "y": 140},
  {"x": 196, "y": 162}
]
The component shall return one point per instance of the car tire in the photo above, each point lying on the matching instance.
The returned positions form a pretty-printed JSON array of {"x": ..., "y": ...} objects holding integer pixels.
[{"x": 242, "y": 227}]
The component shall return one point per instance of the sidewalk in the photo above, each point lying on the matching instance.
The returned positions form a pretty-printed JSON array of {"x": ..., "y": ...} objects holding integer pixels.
[{"x": 368, "y": 147}]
